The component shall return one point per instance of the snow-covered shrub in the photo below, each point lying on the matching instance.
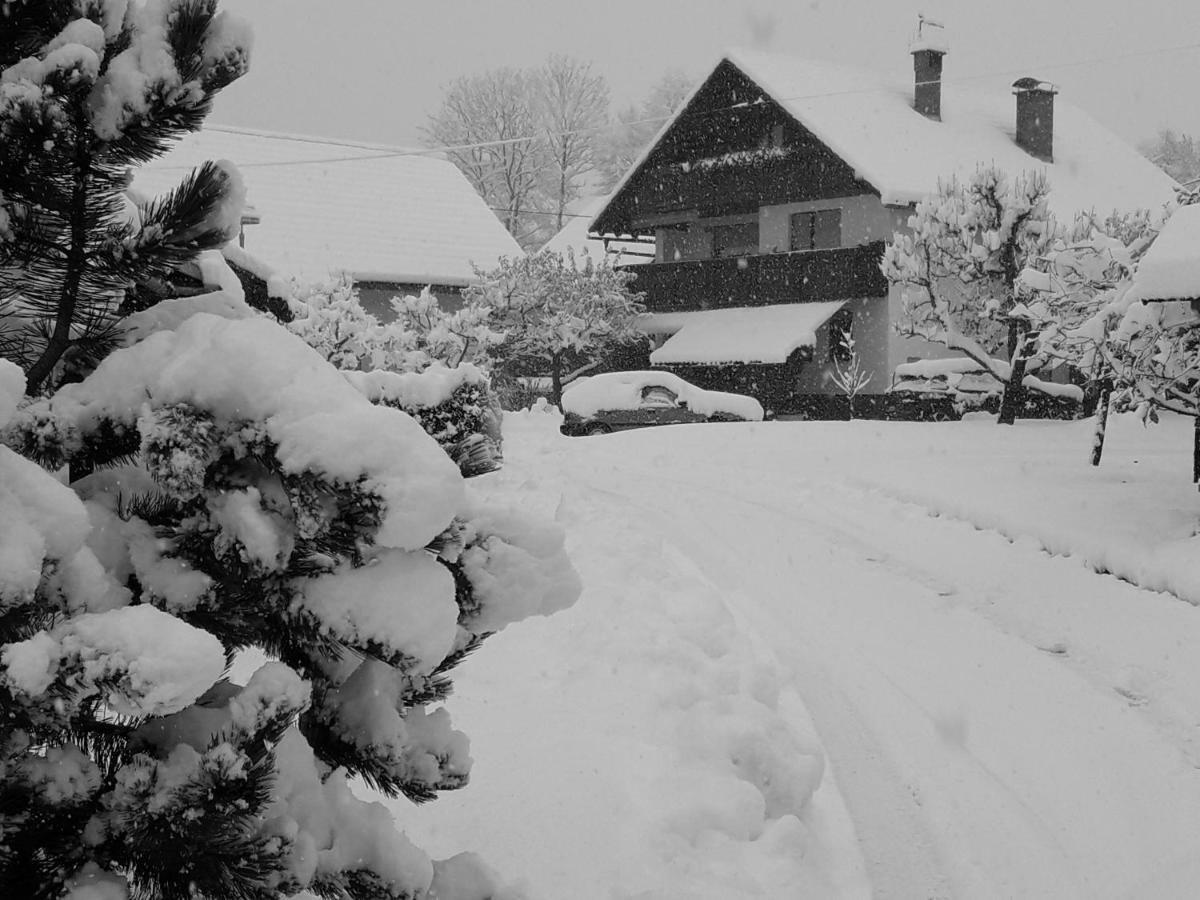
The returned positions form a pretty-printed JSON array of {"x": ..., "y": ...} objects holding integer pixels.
[
  {"x": 449, "y": 338},
  {"x": 417, "y": 363},
  {"x": 330, "y": 318},
  {"x": 558, "y": 318},
  {"x": 244, "y": 495}
]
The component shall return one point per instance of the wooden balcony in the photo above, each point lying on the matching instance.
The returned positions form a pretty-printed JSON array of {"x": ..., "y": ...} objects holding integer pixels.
[{"x": 799, "y": 277}]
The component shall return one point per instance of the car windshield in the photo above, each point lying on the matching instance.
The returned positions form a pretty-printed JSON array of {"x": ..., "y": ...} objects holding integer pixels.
[{"x": 656, "y": 395}]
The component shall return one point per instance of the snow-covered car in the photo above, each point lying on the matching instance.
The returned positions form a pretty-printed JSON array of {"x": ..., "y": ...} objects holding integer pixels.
[
  {"x": 963, "y": 385},
  {"x": 618, "y": 400}
]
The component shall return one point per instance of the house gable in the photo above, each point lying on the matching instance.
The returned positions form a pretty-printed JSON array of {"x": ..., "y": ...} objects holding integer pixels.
[{"x": 730, "y": 150}]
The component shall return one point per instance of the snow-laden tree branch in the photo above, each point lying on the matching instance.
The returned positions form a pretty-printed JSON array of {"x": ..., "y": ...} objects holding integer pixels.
[{"x": 958, "y": 264}]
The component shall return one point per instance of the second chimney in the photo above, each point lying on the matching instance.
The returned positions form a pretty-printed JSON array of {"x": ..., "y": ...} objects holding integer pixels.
[
  {"x": 928, "y": 46},
  {"x": 1035, "y": 117}
]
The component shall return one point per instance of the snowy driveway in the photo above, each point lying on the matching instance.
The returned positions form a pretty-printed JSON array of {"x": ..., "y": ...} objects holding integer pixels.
[{"x": 997, "y": 721}]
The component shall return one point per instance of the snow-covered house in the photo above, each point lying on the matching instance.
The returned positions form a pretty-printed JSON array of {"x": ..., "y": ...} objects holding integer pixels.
[
  {"x": 392, "y": 220},
  {"x": 779, "y": 180}
]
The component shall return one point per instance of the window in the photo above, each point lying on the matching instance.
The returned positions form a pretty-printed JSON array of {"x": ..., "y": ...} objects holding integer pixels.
[
  {"x": 739, "y": 239},
  {"x": 655, "y": 395},
  {"x": 819, "y": 229},
  {"x": 674, "y": 244},
  {"x": 840, "y": 325}
]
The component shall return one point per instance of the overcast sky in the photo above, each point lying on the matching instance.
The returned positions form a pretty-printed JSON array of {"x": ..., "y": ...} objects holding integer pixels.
[{"x": 372, "y": 70}]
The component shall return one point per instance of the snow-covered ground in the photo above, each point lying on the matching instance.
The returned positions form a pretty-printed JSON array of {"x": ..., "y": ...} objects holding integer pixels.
[{"x": 845, "y": 660}]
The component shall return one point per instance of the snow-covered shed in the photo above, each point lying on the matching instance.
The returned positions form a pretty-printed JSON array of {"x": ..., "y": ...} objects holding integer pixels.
[
  {"x": 779, "y": 180},
  {"x": 394, "y": 220},
  {"x": 1170, "y": 269},
  {"x": 574, "y": 238},
  {"x": 1169, "y": 272}
]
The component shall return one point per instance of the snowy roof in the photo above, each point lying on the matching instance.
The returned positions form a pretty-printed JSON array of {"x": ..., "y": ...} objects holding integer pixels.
[
  {"x": 574, "y": 236},
  {"x": 868, "y": 120},
  {"x": 376, "y": 213},
  {"x": 1170, "y": 270},
  {"x": 747, "y": 334}
]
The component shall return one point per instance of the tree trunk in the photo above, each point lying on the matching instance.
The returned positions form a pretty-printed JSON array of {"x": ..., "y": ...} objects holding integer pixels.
[
  {"x": 556, "y": 386},
  {"x": 76, "y": 262},
  {"x": 1014, "y": 393},
  {"x": 1014, "y": 390},
  {"x": 1101, "y": 425},
  {"x": 562, "y": 199},
  {"x": 1196, "y": 450}
]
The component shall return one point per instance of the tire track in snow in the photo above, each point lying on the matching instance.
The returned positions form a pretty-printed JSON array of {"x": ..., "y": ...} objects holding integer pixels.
[
  {"x": 1132, "y": 668},
  {"x": 857, "y": 684},
  {"x": 879, "y": 801}
]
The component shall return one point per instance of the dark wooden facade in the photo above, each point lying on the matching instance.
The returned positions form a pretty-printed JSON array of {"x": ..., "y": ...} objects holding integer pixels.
[
  {"x": 761, "y": 280},
  {"x": 731, "y": 150}
]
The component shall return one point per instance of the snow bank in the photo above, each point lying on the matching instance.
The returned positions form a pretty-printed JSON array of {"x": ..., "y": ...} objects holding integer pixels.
[{"x": 671, "y": 757}]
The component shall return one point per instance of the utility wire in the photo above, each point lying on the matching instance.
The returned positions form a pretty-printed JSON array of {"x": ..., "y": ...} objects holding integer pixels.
[{"x": 480, "y": 145}]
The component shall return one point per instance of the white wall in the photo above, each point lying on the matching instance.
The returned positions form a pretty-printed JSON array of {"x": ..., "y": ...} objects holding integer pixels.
[{"x": 864, "y": 219}]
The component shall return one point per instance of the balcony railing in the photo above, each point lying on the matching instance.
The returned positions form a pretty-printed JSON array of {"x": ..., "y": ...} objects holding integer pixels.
[{"x": 798, "y": 277}]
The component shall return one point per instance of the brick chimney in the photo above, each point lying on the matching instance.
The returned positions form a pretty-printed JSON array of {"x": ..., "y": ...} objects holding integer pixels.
[
  {"x": 1035, "y": 117},
  {"x": 928, "y": 47}
]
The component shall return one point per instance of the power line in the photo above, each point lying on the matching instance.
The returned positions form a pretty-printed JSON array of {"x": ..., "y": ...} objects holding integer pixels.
[{"x": 482, "y": 145}]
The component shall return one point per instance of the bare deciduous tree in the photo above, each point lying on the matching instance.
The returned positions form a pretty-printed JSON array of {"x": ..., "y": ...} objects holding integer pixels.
[
  {"x": 490, "y": 124},
  {"x": 1176, "y": 154},
  {"x": 637, "y": 124},
  {"x": 574, "y": 109}
]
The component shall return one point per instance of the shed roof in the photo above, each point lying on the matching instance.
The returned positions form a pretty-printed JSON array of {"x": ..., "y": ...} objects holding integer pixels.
[
  {"x": 743, "y": 334},
  {"x": 376, "y": 213},
  {"x": 1170, "y": 269},
  {"x": 868, "y": 120},
  {"x": 574, "y": 236}
]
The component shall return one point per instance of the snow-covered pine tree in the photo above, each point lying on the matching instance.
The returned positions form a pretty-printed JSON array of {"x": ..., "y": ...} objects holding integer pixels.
[
  {"x": 456, "y": 407},
  {"x": 243, "y": 495},
  {"x": 959, "y": 263},
  {"x": 87, "y": 90}
]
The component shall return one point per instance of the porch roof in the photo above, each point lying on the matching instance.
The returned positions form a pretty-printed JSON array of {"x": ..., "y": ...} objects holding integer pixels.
[{"x": 744, "y": 334}]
